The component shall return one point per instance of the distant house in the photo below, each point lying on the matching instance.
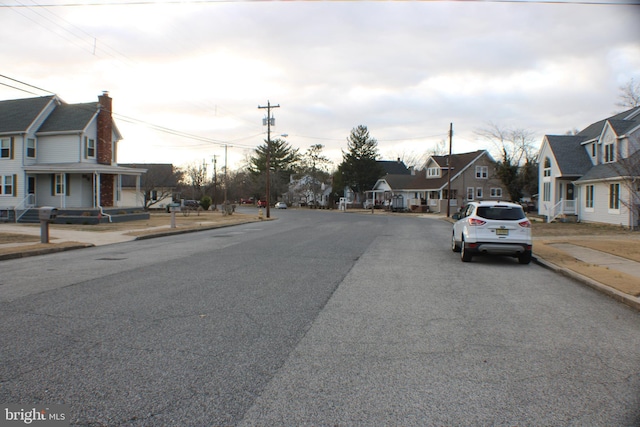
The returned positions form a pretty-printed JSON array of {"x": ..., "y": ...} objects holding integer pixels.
[
  {"x": 60, "y": 155},
  {"x": 156, "y": 187},
  {"x": 472, "y": 178},
  {"x": 594, "y": 175}
]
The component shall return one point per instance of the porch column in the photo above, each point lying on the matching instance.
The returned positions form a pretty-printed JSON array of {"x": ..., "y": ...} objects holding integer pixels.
[
  {"x": 139, "y": 199},
  {"x": 97, "y": 190}
]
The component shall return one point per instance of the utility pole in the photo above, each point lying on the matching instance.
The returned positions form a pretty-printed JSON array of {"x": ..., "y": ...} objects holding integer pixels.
[
  {"x": 215, "y": 182},
  {"x": 449, "y": 169},
  {"x": 269, "y": 121}
]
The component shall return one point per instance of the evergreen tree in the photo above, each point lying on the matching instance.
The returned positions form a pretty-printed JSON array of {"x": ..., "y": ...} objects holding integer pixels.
[{"x": 359, "y": 169}]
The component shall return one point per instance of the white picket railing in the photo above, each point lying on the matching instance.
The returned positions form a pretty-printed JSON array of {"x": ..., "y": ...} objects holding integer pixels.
[{"x": 563, "y": 207}]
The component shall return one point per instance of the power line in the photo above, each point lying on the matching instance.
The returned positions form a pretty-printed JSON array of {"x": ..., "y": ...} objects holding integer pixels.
[{"x": 181, "y": 2}]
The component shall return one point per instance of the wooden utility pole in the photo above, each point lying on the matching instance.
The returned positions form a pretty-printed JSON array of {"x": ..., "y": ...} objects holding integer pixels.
[
  {"x": 268, "y": 165},
  {"x": 449, "y": 170}
]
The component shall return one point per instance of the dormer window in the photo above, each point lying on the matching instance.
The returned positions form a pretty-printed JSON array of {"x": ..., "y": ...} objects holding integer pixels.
[
  {"x": 609, "y": 153},
  {"x": 594, "y": 147},
  {"x": 433, "y": 173}
]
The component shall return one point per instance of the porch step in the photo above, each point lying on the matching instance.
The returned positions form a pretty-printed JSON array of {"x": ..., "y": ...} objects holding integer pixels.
[
  {"x": 566, "y": 218},
  {"x": 31, "y": 216}
]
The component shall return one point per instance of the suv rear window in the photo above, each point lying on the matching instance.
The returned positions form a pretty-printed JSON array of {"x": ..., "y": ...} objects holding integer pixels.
[{"x": 500, "y": 212}]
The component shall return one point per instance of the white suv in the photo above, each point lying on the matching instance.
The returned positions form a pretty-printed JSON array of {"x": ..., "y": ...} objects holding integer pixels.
[{"x": 499, "y": 228}]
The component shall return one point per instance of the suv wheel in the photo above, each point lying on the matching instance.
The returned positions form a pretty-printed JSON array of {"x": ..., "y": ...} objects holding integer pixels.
[
  {"x": 455, "y": 247},
  {"x": 525, "y": 257},
  {"x": 465, "y": 255}
]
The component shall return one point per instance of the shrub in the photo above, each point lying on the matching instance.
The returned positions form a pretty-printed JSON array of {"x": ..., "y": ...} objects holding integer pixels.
[{"x": 205, "y": 202}]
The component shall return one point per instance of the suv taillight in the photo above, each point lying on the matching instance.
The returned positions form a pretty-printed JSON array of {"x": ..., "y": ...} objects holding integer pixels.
[
  {"x": 525, "y": 224},
  {"x": 476, "y": 222}
]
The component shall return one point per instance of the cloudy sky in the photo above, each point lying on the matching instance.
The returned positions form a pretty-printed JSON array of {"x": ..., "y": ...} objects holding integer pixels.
[{"x": 406, "y": 70}]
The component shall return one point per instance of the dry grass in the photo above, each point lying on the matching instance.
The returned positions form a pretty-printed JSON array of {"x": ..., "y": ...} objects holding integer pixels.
[
  {"x": 17, "y": 238},
  {"x": 623, "y": 282}
]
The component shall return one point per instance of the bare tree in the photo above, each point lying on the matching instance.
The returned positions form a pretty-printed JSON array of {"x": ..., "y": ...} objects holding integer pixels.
[
  {"x": 195, "y": 176},
  {"x": 629, "y": 95},
  {"x": 159, "y": 183},
  {"x": 517, "y": 156},
  {"x": 628, "y": 168}
]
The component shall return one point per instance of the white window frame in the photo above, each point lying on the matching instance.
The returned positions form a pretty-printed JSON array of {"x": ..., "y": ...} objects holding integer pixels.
[
  {"x": 479, "y": 193},
  {"x": 31, "y": 146},
  {"x": 60, "y": 185},
  {"x": 614, "y": 198},
  {"x": 590, "y": 193},
  {"x": 482, "y": 172},
  {"x": 547, "y": 167},
  {"x": 609, "y": 153},
  {"x": 5, "y": 145},
  {"x": 496, "y": 192},
  {"x": 433, "y": 172},
  {"x": 90, "y": 147},
  {"x": 6, "y": 185},
  {"x": 470, "y": 193},
  {"x": 546, "y": 192}
]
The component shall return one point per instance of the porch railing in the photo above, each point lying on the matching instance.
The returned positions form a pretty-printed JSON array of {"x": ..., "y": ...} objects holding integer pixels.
[
  {"x": 563, "y": 207},
  {"x": 23, "y": 207}
]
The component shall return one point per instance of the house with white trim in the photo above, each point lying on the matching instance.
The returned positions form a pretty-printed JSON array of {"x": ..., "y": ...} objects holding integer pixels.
[
  {"x": 593, "y": 176},
  {"x": 64, "y": 156},
  {"x": 469, "y": 176}
]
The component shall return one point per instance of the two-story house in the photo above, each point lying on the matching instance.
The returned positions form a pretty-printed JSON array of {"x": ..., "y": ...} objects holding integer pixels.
[
  {"x": 60, "y": 155},
  {"x": 470, "y": 176},
  {"x": 594, "y": 175}
]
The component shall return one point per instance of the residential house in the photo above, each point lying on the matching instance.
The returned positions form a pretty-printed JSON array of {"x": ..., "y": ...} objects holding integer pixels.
[
  {"x": 157, "y": 186},
  {"x": 471, "y": 176},
  {"x": 593, "y": 176},
  {"x": 60, "y": 155}
]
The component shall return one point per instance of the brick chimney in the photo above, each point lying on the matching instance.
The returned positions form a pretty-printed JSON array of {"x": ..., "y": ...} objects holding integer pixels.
[
  {"x": 105, "y": 129},
  {"x": 105, "y": 148}
]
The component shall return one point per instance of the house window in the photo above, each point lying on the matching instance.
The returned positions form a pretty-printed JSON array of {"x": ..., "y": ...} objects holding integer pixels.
[
  {"x": 547, "y": 167},
  {"x": 589, "y": 197},
  {"x": 31, "y": 148},
  {"x": 593, "y": 149},
  {"x": 60, "y": 184},
  {"x": 609, "y": 153},
  {"x": 433, "y": 172},
  {"x": 470, "y": 193},
  {"x": 479, "y": 193},
  {"x": 496, "y": 192},
  {"x": 482, "y": 172},
  {"x": 89, "y": 148},
  {"x": 6, "y": 185},
  {"x": 454, "y": 194},
  {"x": 614, "y": 196},
  {"x": 546, "y": 192},
  {"x": 6, "y": 148}
]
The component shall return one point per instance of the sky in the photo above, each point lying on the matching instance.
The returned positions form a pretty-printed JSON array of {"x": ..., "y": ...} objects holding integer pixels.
[{"x": 187, "y": 78}]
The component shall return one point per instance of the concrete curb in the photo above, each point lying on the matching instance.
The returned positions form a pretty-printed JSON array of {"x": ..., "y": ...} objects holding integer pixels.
[
  {"x": 44, "y": 251},
  {"x": 631, "y": 301}
]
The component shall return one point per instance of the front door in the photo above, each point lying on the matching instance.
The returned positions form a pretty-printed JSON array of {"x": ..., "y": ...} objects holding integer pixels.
[
  {"x": 569, "y": 195},
  {"x": 31, "y": 189}
]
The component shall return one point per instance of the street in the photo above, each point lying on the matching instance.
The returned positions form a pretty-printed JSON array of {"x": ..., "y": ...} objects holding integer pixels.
[{"x": 316, "y": 318}]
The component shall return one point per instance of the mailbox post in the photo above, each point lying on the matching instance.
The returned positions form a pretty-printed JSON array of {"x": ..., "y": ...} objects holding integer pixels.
[{"x": 46, "y": 215}]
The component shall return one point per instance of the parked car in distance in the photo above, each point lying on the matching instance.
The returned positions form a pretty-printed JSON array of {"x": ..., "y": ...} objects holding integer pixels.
[
  {"x": 493, "y": 228},
  {"x": 281, "y": 205},
  {"x": 262, "y": 203}
]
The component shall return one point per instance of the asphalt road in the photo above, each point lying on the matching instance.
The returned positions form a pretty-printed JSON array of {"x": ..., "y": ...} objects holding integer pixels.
[{"x": 318, "y": 318}]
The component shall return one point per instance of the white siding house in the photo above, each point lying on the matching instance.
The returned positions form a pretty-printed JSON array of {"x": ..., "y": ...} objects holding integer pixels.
[
  {"x": 60, "y": 155},
  {"x": 593, "y": 175}
]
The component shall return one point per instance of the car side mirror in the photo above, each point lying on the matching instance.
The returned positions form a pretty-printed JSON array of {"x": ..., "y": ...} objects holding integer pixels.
[{"x": 456, "y": 216}]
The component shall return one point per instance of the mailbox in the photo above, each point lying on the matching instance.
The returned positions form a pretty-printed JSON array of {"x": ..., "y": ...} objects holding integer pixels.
[{"x": 48, "y": 213}]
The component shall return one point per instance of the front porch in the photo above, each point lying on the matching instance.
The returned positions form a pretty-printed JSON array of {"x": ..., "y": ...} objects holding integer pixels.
[{"x": 89, "y": 216}]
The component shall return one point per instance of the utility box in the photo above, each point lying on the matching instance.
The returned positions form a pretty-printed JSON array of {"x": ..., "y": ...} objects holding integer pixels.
[{"x": 47, "y": 213}]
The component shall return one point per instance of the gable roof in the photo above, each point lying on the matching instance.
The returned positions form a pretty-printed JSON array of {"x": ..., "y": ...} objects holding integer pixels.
[
  {"x": 594, "y": 130},
  {"x": 570, "y": 155},
  {"x": 69, "y": 118},
  {"x": 17, "y": 115},
  {"x": 394, "y": 167},
  {"x": 612, "y": 170},
  {"x": 419, "y": 181}
]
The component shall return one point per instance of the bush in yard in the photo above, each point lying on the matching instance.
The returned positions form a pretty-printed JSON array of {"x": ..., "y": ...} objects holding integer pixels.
[{"x": 205, "y": 202}]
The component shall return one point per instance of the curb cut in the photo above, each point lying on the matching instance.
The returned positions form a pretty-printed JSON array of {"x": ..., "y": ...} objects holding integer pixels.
[{"x": 631, "y": 301}]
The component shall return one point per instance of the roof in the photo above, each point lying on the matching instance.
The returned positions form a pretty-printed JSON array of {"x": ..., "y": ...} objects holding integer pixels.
[
  {"x": 81, "y": 168},
  {"x": 17, "y": 115},
  {"x": 420, "y": 182},
  {"x": 623, "y": 168},
  {"x": 571, "y": 156},
  {"x": 394, "y": 167},
  {"x": 158, "y": 175},
  {"x": 594, "y": 130},
  {"x": 69, "y": 118}
]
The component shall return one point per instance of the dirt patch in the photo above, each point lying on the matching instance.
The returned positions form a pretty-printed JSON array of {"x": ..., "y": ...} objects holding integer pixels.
[
  {"x": 17, "y": 238},
  {"x": 541, "y": 229}
]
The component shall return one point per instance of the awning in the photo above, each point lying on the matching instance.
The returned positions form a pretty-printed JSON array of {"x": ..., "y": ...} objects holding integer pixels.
[{"x": 82, "y": 168}]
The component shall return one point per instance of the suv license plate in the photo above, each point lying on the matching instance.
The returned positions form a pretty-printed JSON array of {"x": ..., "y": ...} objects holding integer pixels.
[{"x": 502, "y": 232}]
